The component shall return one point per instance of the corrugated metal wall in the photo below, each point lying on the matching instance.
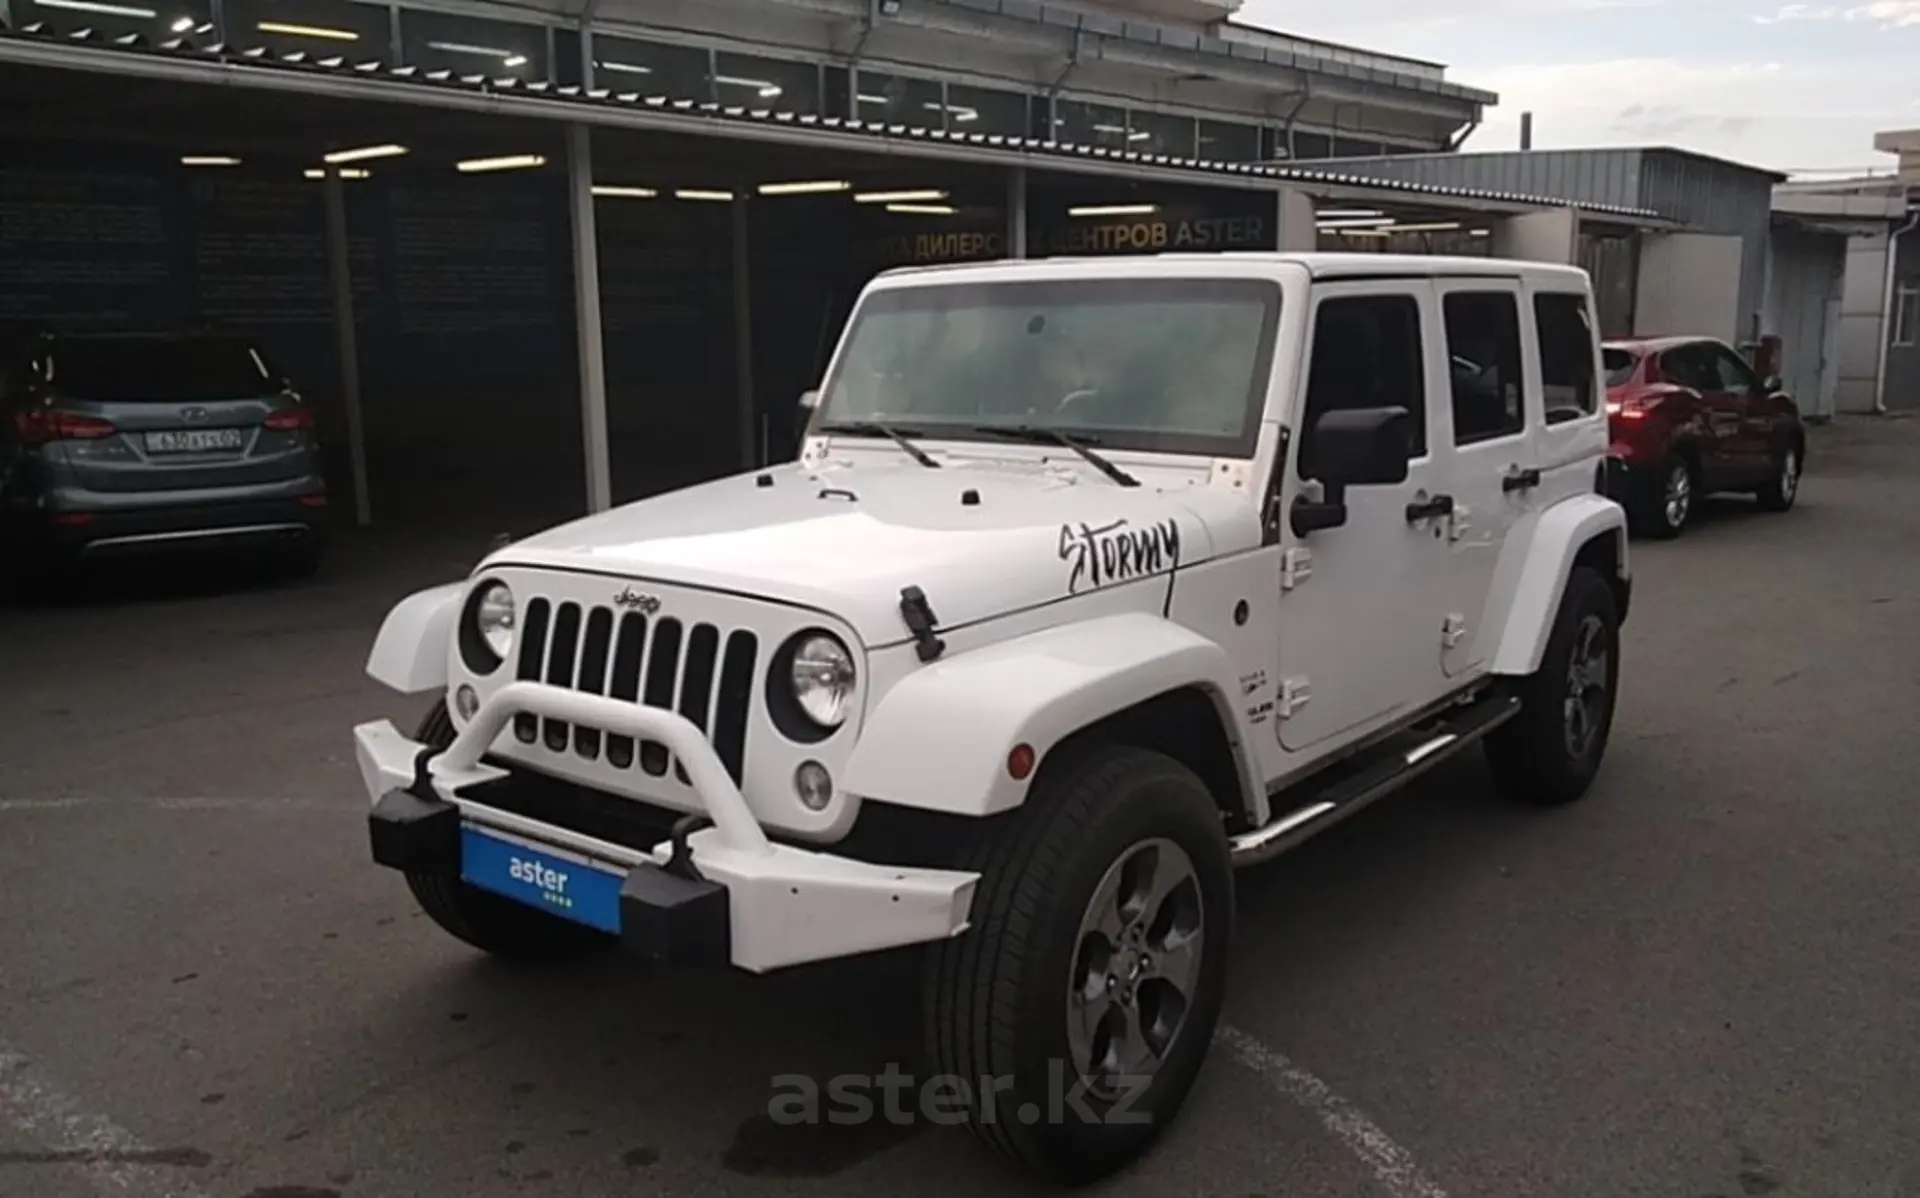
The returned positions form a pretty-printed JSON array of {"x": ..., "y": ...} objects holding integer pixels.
[
  {"x": 1716, "y": 197},
  {"x": 1803, "y": 307},
  {"x": 1582, "y": 176}
]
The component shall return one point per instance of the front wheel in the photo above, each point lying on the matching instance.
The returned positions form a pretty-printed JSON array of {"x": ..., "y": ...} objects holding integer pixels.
[
  {"x": 1076, "y": 1011},
  {"x": 1550, "y": 752},
  {"x": 488, "y": 922},
  {"x": 1783, "y": 487}
]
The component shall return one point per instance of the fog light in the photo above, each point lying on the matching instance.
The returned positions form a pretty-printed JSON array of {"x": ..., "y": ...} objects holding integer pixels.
[
  {"x": 466, "y": 702},
  {"x": 814, "y": 785}
]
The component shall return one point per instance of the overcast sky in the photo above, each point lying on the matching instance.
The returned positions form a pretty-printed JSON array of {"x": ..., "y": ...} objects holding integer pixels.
[{"x": 1793, "y": 86}]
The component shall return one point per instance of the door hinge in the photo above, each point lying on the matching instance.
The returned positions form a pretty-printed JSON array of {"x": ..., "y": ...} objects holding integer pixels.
[
  {"x": 1453, "y": 630},
  {"x": 1294, "y": 694},
  {"x": 1296, "y": 566},
  {"x": 1458, "y": 522}
]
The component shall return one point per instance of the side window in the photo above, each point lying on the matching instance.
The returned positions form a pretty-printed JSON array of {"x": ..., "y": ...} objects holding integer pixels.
[
  {"x": 1689, "y": 368},
  {"x": 1732, "y": 373},
  {"x": 1483, "y": 359},
  {"x": 1366, "y": 354},
  {"x": 1566, "y": 356}
]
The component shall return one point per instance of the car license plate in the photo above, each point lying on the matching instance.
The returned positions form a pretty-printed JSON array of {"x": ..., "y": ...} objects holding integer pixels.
[
  {"x": 194, "y": 440},
  {"x": 557, "y": 885}
]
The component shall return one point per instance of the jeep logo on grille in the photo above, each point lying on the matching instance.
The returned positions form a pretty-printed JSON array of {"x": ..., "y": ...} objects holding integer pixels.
[{"x": 638, "y": 601}]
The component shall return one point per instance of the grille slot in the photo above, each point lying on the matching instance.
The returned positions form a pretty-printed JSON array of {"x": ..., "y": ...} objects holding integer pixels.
[{"x": 698, "y": 670}]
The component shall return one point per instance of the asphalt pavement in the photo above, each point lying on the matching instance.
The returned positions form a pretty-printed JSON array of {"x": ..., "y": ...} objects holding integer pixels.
[{"x": 1698, "y": 982}]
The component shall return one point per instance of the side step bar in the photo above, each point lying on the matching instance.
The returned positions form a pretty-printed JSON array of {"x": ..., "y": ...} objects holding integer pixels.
[{"x": 1390, "y": 773}]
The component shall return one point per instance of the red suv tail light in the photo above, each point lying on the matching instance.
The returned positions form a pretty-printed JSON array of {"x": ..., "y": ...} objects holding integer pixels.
[
  {"x": 291, "y": 420},
  {"x": 42, "y": 425}
]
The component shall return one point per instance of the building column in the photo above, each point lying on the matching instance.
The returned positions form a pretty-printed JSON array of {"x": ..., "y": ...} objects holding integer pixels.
[
  {"x": 752, "y": 451},
  {"x": 586, "y": 319},
  {"x": 1295, "y": 229},
  {"x": 1551, "y": 235},
  {"x": 340, "y": 272},
  {"x": 1017, "y": 212}
]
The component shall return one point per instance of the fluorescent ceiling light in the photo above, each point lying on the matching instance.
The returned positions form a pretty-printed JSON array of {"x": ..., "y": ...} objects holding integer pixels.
[
  {"x": 208, "y": 160},
  {"x": 1480, "y": 233},
  {"x": 899, "y": 197},
  {"x": 1358, "y": 222},
  {"x": 1139, "y": 135},
  {"x": 181, "y": 24},
  {"x": 111, "y": 10},
  {"x": 464, "y": 48},
  {"x": 1434, "y": 227},
  {"x": 923, "y": 209},
  {"x": 352, "y": 172},
  {"x": 694, "y": 193},
  {"x": 1109, "y": 128},
  {"x": 816, "y": 187},
  {"x": 364, "y": 152},
  {"x": 1342, "y": 213},
  {"x": 866, "y": 99},
  {"x": 507, "y": 162},
  {"x": 767, "y": 88},
  {"x": 517, "y": 60},
  {"x": 630, "y": 68},
  {"x": 319, "y": 31},
  {"x": 624, "y": 192},
  {"x": 1359, "y": 232},
  {"x": 1115, "y": 210},
  {"x": 965, "y": 114}
]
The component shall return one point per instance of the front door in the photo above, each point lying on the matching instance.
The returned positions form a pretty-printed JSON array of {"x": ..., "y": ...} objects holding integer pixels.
[
  {"x": 1740, "y": 393},
  {"x": 1360, "y": 608}
]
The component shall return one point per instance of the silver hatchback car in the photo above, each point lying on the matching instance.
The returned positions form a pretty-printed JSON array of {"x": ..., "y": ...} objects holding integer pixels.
[{"x": 121, "y": 443}]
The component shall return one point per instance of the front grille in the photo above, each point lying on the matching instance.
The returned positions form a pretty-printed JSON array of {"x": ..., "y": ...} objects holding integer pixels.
[{"x": 689, "y": 668}]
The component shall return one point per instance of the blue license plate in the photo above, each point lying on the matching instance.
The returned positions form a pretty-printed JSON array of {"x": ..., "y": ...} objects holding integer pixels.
[{"x": 572, "y": 891}]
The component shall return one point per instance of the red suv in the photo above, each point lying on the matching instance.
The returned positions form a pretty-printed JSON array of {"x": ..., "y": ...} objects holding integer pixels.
[{"x": 1689, "y": 417}]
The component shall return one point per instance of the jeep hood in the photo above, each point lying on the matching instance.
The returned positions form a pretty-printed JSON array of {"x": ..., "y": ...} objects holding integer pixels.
[{"x": 979, "y": 540}]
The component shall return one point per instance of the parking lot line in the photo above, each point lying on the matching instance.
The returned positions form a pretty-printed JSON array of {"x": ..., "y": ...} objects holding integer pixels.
[
  {"x": 1393, "y": 1165},
  {"x": 112, "y": 1157}
]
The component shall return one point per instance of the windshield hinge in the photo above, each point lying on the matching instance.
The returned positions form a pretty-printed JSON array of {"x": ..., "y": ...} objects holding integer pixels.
[{"x": 919, "y": 618}]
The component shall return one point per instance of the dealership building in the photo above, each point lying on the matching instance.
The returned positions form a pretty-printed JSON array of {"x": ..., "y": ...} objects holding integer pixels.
[{"x": 530, "y": 258}]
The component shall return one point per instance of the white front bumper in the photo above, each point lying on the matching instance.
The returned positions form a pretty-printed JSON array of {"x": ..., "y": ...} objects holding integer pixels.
[{"x": 786, "y": 905}]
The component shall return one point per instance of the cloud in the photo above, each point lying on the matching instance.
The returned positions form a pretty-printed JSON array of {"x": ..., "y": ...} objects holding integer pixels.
[
  {"x": 1797, "y": 12},
  {"x": 1890, "y": 14}
]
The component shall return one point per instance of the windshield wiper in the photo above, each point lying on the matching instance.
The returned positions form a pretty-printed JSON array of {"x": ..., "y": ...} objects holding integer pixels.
[
  {"x": 899, "y": 436},
  {"x": 1039, "y": 435}
]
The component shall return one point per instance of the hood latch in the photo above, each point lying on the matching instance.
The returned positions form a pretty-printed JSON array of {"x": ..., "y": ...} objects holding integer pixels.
[{"x": 919, "y": 618}]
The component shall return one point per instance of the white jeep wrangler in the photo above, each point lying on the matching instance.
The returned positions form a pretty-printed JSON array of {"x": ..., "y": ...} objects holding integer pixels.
[{"x": 1093, "y": 580}]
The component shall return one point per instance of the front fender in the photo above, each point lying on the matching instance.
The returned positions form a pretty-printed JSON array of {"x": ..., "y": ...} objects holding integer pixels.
[
  {"x": 410, "y": 654},
  {"x": 939, "y": 740},
  {"x": 1558, "y": 536}
]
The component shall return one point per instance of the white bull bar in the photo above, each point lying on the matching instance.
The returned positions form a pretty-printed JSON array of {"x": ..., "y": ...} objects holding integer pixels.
[{"x": 786, "y": 905}]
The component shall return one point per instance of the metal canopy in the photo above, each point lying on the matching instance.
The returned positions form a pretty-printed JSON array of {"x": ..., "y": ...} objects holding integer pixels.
[{"x": 377, "y": 83}]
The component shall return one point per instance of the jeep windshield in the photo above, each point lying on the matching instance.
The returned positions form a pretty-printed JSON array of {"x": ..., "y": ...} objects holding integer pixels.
[{"x": 1167, "y": 365}]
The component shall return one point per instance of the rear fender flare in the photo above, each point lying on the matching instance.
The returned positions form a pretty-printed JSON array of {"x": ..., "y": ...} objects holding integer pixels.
[{"x": 1557, "y": 539}]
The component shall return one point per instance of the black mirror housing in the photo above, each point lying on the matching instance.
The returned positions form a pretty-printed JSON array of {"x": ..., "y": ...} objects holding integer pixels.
[{"x": 1362, "y": 447}]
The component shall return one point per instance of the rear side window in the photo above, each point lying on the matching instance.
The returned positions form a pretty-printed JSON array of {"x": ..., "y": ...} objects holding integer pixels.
[
  {"x": 1566, "y": 356},
  {"x": 159, "y": 369},
  {"x": 1483, "y": 359},
  {"x": 1366, "y": 354},
  {"x": 1690, "y": 366},
  {"x": 1619, "y": 365}
]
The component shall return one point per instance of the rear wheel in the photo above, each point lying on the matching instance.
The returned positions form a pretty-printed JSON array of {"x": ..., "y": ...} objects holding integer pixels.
[
  {"x": 1783, "y": 487},
  {"x": 1666, "y": 501},
  {"x": 1076, "y": 1011},
  {"x": 486, "y": 921},
  {"x": 1550, "y": 752}
]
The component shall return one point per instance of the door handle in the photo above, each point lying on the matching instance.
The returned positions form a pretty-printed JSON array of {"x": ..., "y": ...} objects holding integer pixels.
[
  {"x": 1520, "y": 480},
  {"x": 1439, "y": 505}
]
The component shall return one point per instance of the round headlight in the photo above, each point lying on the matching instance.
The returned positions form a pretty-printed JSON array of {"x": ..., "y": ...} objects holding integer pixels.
[
  {"x": 823, "y": 679},
  {"x": 493, "y": 618}
]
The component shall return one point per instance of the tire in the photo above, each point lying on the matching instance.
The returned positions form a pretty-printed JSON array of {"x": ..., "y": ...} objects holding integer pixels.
[
  {"x": 492, "y": 924},
  {"x": 1538, "y": 757},
  {"x": 998, "y": 999},
  {"x": 1666, "y": 500},
  {"x": 1783, "y": 487}
]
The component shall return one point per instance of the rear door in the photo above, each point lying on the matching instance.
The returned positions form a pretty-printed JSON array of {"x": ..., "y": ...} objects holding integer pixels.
[
  {"x": 186, "y": 413},
  {"x": 1712, "y": 423},
  {"x": 1746, "y": 399},
  {"x": 1486, "y": 442}
]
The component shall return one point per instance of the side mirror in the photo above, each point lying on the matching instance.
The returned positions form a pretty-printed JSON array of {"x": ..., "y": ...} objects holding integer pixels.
[
  {"x": 1357, "y": 447},
  {"x": 1773, "y": 384}
]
